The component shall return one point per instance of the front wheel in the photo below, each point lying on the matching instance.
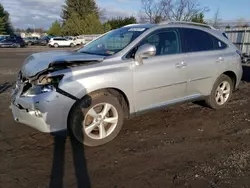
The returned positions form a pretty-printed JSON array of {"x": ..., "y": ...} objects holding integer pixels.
[
  {"x": 96, "y": 119},
  {"x": 72, "y": 45},
  {"x": 221, "y": 92},
  {"x": 56, "y": 45}
]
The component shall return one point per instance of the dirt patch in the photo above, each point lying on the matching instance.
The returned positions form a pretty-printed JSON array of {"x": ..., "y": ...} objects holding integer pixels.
[{"x": 183, "y": 146}]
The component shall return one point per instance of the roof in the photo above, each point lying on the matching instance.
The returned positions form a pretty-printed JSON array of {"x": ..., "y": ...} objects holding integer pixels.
[{"x": 171, "y": 23}]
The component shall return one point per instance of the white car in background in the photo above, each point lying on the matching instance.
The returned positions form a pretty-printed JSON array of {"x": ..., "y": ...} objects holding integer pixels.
[
  {"x": 78, "y": 40},
  {"x": 61, "y": 42}
]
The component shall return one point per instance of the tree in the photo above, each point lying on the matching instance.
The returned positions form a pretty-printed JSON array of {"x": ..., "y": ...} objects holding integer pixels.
[
  {"x": 77, "y": 25},
  {"x": 81, "y": 17},
  {"x": 199, "y": 18},
  {"x": 5, "y": 25},
  {"x": 55, "y": 29},
  {"x": 40, "y": 30},
  {"x": 217, "y": 19},
  {"x": 29, "y": 30},
  {"x": 151, "y": 11},
  {"x": 2, "y": 27},
  {"x": 172, "y": 10},
  {"x": 80, "y": 7},
  {"x": 106, "y": 27},
  {"x": 120, "y": 22},
  {"x": 241, "y": 22}
]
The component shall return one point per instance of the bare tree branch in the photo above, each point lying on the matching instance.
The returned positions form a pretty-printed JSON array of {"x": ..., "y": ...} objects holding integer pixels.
[
  {"x": 173, "y": 10},
  {"x": 217, "y": 19}
]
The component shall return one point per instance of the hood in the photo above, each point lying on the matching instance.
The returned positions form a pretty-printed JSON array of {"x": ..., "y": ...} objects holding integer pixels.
[{"x": 39, "y": 62}]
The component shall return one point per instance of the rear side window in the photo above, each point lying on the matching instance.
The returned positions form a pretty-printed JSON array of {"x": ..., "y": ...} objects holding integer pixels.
[
  {"x": 58, "y": 39},
  {"x": 194, "y": 40},
  {"x": 218, "y": 44},
  {"x": 225, "y": 35}
]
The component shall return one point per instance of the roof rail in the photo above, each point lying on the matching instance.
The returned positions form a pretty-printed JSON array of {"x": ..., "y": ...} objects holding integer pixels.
[
  {"x": 130, "y": 25},
  {"x": 188, "y": 23}
]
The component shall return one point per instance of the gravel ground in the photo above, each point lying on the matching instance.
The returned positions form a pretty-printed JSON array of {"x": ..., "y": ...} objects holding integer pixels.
[{"x": 182, "y": 146}]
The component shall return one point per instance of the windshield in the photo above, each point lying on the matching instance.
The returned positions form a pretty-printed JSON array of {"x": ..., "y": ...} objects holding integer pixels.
[{"x": 113, "y": 41}]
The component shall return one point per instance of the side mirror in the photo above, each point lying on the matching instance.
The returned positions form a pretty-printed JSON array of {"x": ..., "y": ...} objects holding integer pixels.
[{"x": 144, "y": 51}]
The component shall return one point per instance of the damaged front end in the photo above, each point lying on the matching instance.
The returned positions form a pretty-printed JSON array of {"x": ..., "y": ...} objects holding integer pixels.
[
  {"x": 37, "y": 103},
  {"x": 37, "y": 99}
]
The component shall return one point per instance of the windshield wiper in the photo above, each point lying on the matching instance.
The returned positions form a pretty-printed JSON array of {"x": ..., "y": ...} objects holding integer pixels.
[{"x": 91, "y": 53}]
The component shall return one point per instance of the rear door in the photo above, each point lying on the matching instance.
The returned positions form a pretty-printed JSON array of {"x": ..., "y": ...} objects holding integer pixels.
[{"x": 205, "y": 59}]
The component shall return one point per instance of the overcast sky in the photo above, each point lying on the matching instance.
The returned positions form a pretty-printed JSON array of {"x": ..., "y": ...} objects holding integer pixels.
[{"x": 41, "y": 13}]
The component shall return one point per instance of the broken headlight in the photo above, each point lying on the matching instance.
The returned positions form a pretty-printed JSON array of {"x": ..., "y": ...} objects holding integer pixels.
[
  {"x": 43, "y": 84},
  {"x": 47, "y": 88},
  {"x": 46, "y": 80}
]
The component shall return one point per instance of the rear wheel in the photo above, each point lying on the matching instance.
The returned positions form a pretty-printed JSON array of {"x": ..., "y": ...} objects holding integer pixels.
[
  {"x": 56, "y": 45},
  {"x": 96, "y": 119},
  {"x": 72, "y": 45},
  {"x": 221, "y": 92}
]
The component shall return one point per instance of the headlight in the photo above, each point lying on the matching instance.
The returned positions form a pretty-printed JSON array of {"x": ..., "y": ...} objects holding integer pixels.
[
  {"x": 43, "y": 84},
  {"x": 45, "y": 80},
  {"x": 47, "y": 88},
  {"x": 36, "y": 90}
]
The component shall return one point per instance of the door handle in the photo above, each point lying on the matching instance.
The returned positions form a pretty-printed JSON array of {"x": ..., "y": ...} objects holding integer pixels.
[
  {"x": 180, "y": 65},
  {"x": 220, "y": 59}
]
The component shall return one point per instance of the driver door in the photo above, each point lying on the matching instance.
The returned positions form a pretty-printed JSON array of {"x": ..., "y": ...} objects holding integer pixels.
[{"x": 161, "y": 79}]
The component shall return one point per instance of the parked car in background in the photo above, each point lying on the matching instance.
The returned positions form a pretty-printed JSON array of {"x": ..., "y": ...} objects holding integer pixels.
[
  {"x": 77, "y": 40},
  {"x": 125, "y": 72},
  {"x": 45, "y": 40},
  {"x": 15, "y": 42},
  {"x": 80, "y": 40},
  {"x": 3, "y": 37},
  {"x": 31, "y": 41},
  {"x": 61, "y": 42}
]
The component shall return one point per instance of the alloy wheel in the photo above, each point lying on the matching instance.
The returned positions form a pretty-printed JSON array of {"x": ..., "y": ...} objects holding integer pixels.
[
  {"x": 100, "y": 121},
  {"x": 222, "y": 93}
]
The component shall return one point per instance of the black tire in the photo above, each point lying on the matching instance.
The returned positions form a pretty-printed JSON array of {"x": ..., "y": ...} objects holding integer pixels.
[
  {"x": 72, "y": 45},
  {"x": 79, "y": 111},
  {"x": 56, "y": 45},
  {"x": 29, "y": 43},
  {"x": 211, "y": 100}
]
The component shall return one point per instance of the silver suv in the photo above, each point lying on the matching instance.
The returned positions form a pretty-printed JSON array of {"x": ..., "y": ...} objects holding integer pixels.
[{"x": 123, "y": 73}]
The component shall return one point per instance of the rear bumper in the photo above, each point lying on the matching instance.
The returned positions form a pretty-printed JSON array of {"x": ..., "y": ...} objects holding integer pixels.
[{"x": 46, "y": 112}]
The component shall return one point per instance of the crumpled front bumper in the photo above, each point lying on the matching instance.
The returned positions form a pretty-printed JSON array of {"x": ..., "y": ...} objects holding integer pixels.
[{"x": 47, "y": 112}]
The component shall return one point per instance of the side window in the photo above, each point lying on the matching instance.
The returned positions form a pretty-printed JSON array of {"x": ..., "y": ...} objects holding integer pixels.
[
  {"x": 194, "y": 40},
  {"x": 218, "y": 44},
  {"x": 166, "y": 42}
]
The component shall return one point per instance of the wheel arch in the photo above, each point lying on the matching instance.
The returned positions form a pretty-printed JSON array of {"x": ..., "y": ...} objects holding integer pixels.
[
  {"x": 123, "y": 99},
  {"x": 232, "y": 76}
]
